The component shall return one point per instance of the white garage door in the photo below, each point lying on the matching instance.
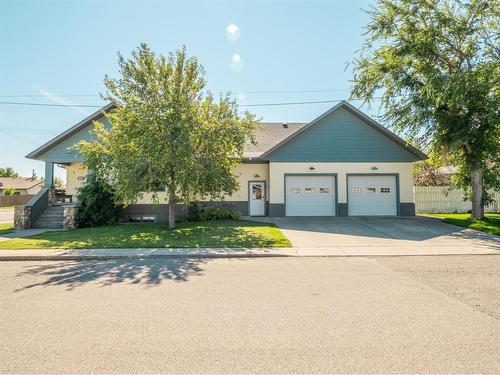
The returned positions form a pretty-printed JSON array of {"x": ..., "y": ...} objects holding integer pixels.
[
  {"x": 310, "y": 195},
  {"x": 372, "y": 195}
]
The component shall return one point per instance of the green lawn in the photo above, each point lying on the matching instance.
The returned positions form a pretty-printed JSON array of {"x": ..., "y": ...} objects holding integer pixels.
[
  {"x": 224, "y": 233},
  {"x": 7, "y": 208},
  {"x": 490, "y": 224},
  {"x": 6, "y": 228}
]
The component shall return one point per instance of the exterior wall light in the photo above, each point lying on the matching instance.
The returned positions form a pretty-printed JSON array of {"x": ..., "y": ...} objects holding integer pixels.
[
  {"x": 312, "y": 168},
  {"x": 257, "y": 175},
  {"x": 374, "y": 168}
]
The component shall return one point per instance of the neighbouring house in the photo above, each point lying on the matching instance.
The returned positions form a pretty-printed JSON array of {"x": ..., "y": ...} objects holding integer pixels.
[
  {"x": 342, "y": 163},
  {"x": 22, "y": 185}
]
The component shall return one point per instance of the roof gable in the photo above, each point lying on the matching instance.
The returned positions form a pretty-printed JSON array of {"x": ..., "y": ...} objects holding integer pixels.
[
  {"x": 81, "y": 127},
  {"x": 343, "y": 134},
  {"x": 62, "y": 151}
]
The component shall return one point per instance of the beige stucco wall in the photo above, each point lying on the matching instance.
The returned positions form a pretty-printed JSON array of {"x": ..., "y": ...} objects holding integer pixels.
[
  {"x": 74, "y": 171},
  {"x": 247, "y": 172},
  {"x": 244, "y": 172},
  {"x": 273, "y": 174},
  {"x": 278, "y": 170}
]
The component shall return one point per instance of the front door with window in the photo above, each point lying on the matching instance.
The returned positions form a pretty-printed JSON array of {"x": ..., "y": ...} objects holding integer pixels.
[{"x": 257, "y": 198}]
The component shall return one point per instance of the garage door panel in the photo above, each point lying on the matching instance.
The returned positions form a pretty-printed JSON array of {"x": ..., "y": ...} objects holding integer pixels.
[
  {"x": 310, "y": 195},
  {"x": 372, "y": 195}
]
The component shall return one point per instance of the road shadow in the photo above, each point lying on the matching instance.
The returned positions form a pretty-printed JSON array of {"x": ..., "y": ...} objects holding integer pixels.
[{"x": 148, "y": 272}]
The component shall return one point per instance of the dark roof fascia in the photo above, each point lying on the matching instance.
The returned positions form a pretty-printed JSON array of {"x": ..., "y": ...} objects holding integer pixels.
[
  {"x": 71, "y": 131},
  {"x": 374, "y": 124},
  {"x": 255, "y": 160}
]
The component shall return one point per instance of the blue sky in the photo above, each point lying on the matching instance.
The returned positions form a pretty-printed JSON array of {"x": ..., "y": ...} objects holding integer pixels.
[{"x": 59, "y": 52}]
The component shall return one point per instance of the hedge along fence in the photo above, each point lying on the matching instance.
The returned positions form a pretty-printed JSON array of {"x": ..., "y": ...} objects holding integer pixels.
[
  {"x": 15, "y": 200},
  {"x": 441, "y": 199}
]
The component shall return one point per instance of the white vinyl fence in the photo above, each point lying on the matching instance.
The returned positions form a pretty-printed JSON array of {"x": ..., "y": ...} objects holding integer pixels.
[{"x": 441, "y": 199}]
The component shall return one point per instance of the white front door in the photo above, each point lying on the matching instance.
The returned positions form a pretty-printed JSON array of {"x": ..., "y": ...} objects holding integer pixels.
[
  {"x": 372, "y": 195},
  {"x": 257, "y": 198},
  {"x": 310, "y": 195}
]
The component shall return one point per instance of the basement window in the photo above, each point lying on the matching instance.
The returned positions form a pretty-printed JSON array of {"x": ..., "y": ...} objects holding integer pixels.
[{"x": 141, "y": 218}]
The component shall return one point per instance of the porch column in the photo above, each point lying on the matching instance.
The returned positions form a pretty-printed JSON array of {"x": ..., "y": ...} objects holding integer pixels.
[{"x": 49, "y": 174}]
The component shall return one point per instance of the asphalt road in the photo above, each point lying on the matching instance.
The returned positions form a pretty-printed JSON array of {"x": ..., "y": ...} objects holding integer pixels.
[{"x": 275, "y": 315}]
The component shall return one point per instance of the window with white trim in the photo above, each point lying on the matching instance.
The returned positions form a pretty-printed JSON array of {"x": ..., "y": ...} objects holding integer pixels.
[{"x": 141, "y": 218}]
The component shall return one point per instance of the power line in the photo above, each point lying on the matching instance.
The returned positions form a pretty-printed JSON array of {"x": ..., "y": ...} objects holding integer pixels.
[
  {"x": 292, "y": 103},
  {"x": 44, "y": 96},
  {"x": 295, "y": 91},
  {"x": 52, "y": 105},
  {"x": 241, "y": 105},
  {"x": 220, "y": 91}
]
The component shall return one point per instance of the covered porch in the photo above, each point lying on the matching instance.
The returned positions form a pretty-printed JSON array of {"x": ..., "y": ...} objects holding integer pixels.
[{"x": 76, "y": 174}]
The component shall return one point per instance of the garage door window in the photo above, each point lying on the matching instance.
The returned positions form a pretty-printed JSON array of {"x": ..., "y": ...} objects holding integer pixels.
[
  {"x": 324, "y": 190},
  {"x": 309, "y": 190},
  {"x": 295, "y": 190},
  {"x": 385, "y": 190},
  {"x": 371, "y": 190},
  {"x": 356, "y": 190}
]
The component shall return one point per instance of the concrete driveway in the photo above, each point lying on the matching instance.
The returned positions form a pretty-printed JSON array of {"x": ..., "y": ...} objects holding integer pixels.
[{"x": 355, "y": 236}]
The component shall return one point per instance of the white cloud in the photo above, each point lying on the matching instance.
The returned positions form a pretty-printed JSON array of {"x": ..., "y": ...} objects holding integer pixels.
[{"x": 54, "y": 98}]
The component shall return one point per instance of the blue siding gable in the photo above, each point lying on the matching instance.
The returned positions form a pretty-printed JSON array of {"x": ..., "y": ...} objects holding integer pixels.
[
  {"x": 62, "y": 152},
  {"x": 341, "y": 136}
]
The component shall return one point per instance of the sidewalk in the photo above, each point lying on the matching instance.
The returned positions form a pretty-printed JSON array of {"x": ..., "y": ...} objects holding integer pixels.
[
  {"x": 333, "y": 251},
  {"x": 19, "y": 233}
]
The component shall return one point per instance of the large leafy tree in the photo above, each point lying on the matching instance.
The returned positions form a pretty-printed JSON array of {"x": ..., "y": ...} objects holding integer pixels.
[
  {"x": 436, "y": 65},
  {"x": 8, "y": 172},
  {"x": 167, "y": 133}
]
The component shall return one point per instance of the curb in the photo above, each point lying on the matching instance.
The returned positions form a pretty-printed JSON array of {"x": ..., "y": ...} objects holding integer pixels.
[
  {"x": 21, "y": 258},
  {"x": 26, "y": 258}
]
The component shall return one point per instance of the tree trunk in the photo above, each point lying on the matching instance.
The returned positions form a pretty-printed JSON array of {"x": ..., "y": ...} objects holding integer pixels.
[
  {"x": 477, "y": 191},
  {"x": 171, "y": 211}
]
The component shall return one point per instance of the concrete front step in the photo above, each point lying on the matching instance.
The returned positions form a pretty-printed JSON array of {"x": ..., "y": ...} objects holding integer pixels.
[
  {"x": 51, "y": 217},
  {"x": 47, "y": 225}
]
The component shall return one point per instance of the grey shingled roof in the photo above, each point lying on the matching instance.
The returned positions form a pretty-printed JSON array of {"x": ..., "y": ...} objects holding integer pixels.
[
  {"x": 18, "y": 182},
  {"x": 269, "y": 134}
]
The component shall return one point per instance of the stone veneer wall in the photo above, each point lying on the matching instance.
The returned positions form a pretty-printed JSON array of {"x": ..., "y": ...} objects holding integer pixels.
[
  {"x": 70, "y": 217},
  {"x": 22, "y": 217}
]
